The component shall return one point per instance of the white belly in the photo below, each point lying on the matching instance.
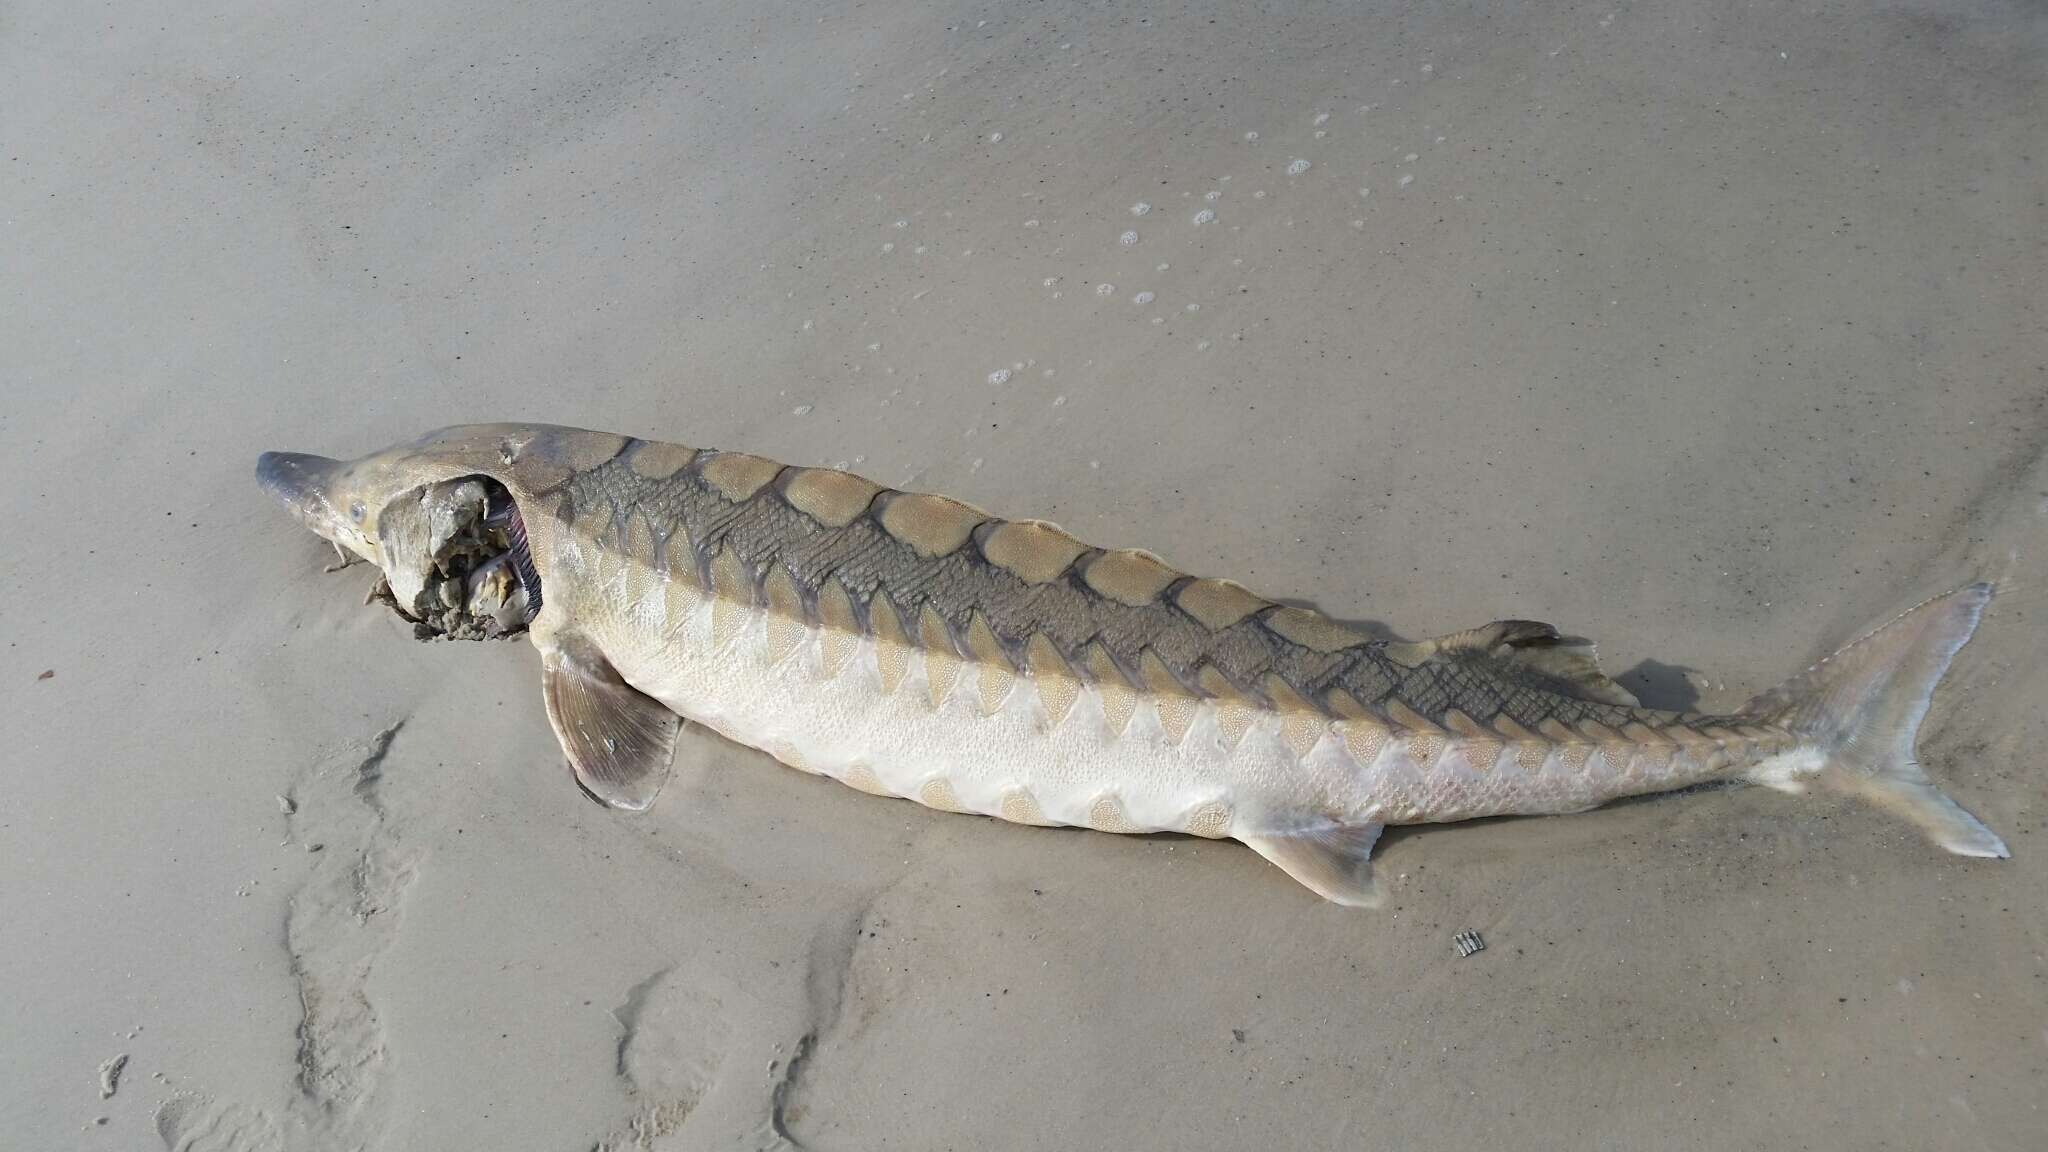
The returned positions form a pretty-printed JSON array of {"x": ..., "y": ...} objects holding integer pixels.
[{"x": 762, "y": 682}]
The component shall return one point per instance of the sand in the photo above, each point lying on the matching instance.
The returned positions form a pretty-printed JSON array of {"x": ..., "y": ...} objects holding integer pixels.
[{"x": 1712, "y": 331}]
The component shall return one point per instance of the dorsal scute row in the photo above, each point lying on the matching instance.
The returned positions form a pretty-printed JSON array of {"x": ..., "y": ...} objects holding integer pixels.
[
  {"x": 994, "y": 585},
  {"x": 984, "y": 588}
]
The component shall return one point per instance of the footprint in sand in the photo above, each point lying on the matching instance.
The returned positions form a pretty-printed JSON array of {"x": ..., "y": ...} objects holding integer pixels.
[
  {"x": 672, "y": 1043},
  {"x": 202, "y": 1124},
  {"x": 340, "y": 921}
]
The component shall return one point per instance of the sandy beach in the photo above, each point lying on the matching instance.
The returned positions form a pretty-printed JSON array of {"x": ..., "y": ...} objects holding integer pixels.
[{"x": 1712, "y": 332}]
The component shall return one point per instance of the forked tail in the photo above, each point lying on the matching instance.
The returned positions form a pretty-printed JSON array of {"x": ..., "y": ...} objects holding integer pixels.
[{"x": 1860, "y": 711}]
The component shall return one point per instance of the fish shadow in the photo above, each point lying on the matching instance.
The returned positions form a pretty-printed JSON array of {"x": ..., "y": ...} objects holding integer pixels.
[{"x": 1666, "y": 687}]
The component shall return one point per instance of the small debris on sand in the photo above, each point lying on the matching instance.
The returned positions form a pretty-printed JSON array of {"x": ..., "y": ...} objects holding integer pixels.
[
  {"x": 287, "y": 805},
  {"x": 110, "y": 1076},
  {"x": 47, "y": 673},
  {"x": 1468, "y": 942}
]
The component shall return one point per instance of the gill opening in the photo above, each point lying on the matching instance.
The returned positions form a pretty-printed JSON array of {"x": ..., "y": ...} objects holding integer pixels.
[{"x": 503, "y": 514}]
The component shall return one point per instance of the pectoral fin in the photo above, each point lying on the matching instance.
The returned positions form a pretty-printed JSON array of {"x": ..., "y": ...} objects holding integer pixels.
[
  {"x": 1332, "y": 860},
  {"x": 618, "y": 739}
]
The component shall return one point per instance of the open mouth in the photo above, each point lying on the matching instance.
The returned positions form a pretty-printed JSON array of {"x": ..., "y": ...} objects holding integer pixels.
[{"x": 471, "y": 576}]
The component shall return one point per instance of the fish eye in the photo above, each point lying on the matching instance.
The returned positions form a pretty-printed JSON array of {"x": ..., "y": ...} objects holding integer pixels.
[{"x": 355, "y": 511}]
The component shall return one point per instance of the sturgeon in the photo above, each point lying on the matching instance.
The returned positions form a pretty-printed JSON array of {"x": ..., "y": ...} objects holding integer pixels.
[{"x": 914, "y": 646}]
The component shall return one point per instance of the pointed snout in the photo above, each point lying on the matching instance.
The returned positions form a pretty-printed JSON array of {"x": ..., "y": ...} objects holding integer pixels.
[
  {"x": 310, "y": 487},
  {"x": 295, "y": 479}
]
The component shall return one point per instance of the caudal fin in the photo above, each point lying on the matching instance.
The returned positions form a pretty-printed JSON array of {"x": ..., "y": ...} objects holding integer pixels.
[{"x": 1861, "y": 710}]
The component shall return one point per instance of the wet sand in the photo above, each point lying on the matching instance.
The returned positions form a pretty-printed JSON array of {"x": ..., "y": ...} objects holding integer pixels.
[{"x": 1710, "y": 331}]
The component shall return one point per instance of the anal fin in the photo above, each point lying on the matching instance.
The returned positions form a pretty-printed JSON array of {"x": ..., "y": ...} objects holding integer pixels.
[
  {"x": 618, "y": 739},
  {"x": 1332, "y": 860}
]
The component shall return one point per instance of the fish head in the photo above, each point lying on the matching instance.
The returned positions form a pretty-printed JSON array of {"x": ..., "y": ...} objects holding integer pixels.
[
  {"x": 437, "y": 515},
  {"x": 445, "y": 517}
]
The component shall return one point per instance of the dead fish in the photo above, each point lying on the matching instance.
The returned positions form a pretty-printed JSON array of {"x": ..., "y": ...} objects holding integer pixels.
[{"x": 914, "y": 646}]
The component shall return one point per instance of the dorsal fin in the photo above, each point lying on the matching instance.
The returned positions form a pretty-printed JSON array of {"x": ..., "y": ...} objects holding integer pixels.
[
  {"x": 1532, "y": 645},
  {"x": 1572, "y": 662},
  {"x": 1483, "y": 640}
]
